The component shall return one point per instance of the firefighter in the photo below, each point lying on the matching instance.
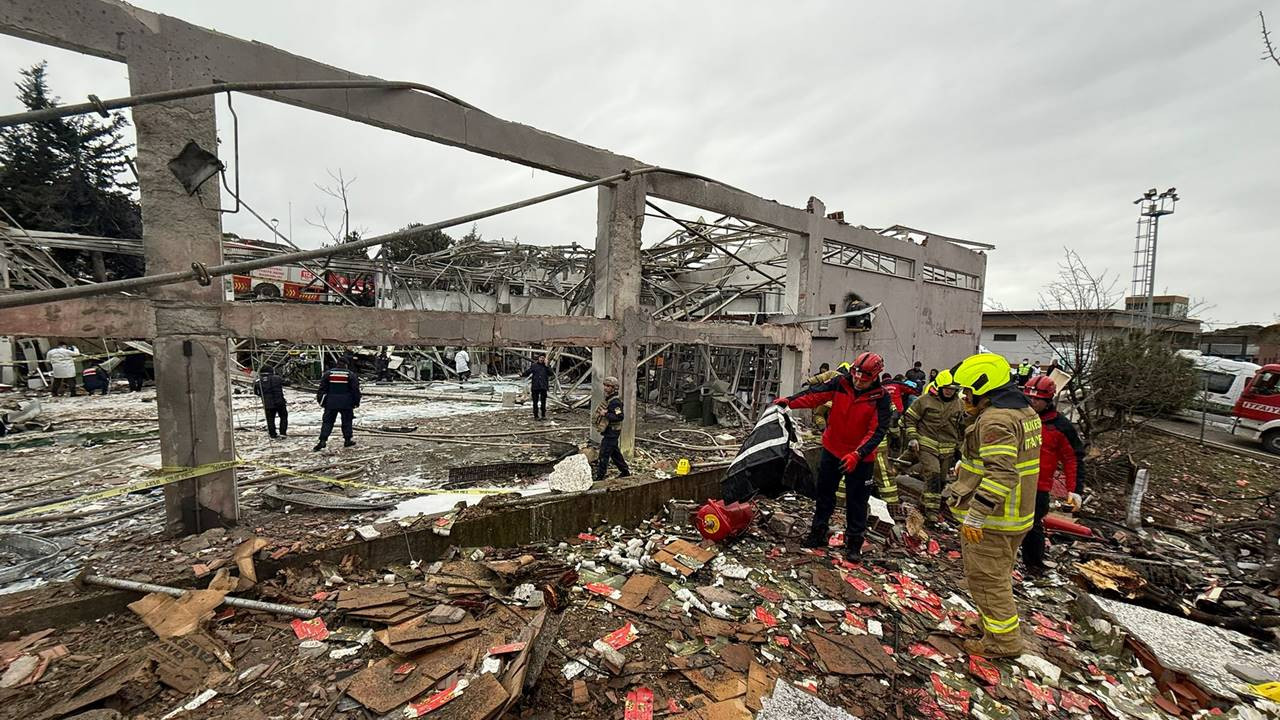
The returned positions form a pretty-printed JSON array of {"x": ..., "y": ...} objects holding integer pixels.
[
  {"x": 820, "y": 413},
  {"x": 933, "y": 424},
  {"x": 1060, "y": 446},
  {"x": 993, "y": 495},
  {"x": 339, "y": 394},
  {"x": 608, "y": 420},
  {"x": 1024, "y": 371},
  {"x": 859, "y": 419}
]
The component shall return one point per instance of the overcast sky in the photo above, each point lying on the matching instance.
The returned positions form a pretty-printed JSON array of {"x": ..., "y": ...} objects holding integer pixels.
[{"x": 1031, "y": 126}]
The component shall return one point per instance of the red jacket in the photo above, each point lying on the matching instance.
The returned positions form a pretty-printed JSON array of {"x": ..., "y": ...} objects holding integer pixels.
[
  {"x": 1060, "y": 445},
  {"x": 858, "y": 419},
  {"x": 897, "y": 390}
]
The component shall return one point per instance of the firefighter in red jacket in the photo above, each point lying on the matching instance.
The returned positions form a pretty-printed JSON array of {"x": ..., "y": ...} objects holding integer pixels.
[
  {"x": 1060, "y": 446},
  {"x": 858, "y": 421}
]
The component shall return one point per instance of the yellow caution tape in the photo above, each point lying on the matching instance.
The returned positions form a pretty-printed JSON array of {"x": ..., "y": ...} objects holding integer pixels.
[{"x": 167, "y": 476}]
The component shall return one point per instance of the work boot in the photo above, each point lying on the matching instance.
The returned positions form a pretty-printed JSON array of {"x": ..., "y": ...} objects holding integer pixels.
[
  {"x": 817, "y": 538},
  {"x": 988, "y": 650},
  {"x": 853, "y": 551},
  {"x": 348, "y": 443},
  {"x": 318, "y": 447}
]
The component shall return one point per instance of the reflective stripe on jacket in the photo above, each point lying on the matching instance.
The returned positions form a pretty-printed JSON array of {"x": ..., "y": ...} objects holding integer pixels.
[
  {"x": 935, "y": 423},
  {"x": 1000, "y": 465}
]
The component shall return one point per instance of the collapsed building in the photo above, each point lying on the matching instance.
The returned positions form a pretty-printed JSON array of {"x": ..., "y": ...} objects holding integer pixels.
[{"x": 481, "y": 568}]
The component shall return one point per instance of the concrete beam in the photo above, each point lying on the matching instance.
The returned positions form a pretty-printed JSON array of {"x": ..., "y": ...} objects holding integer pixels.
[
  {"x": 113, "y": 30},
  {"x": 619, "y": 219},
  {"x": 100, "y": 317},
  {"x": 192, "y": 358},
  {"x": 335, "y": 324}
]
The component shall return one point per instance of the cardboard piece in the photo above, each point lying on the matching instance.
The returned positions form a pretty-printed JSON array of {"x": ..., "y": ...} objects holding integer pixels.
[
  {"x": 243, "y": 557},
  {"x": 724, "y": 685},
  {"x": 168, "y": 616},
  {"x": 378, "y": 688}
]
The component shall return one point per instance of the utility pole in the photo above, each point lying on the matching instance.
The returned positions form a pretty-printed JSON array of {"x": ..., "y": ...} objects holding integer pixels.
[{"x": 1151, "y": 207}]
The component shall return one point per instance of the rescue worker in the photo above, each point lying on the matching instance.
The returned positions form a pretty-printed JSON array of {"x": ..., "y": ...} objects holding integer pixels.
[
  {"x": 934, "y": 425},
  {"x": 1024, "y": 371},
  {"x": 539, "y": 384},
  {"x": 886, "y": 473},
  {"x": 62, "y": 365},
  {"x": 339, "y": 394},
  {"x": 608, "y": 420},
  {"x": 1060, "y": 446},
  {"x": 270, "y": 387},
  {"x": 824, "y": 375},
  {"x": 95, "y": 377},
  {"x": 859, "y": 419},
  {"x": 916, "y": 374},
  {"x": 993, "y": 495}
]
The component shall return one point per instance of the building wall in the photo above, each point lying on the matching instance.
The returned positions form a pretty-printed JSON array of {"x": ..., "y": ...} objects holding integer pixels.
[{"x": 918, "y": 320}]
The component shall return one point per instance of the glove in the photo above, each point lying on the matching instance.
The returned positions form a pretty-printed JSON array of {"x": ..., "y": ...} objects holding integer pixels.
[
  {"x": 971, "y": 530},
  {"x": 1075, "y": 501},
  {"x": 913, "y": 446},
  {"x": 955, "y": 469},
  {"x": 851, "y": 461},
  {"x": 782, "y": 402}
]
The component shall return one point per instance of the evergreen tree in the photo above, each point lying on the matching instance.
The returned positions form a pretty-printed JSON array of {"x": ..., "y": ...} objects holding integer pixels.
[{"x": 69, "y": 175}]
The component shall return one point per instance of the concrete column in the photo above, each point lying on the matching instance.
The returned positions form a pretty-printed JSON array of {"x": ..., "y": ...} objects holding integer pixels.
[
  {"x": 8, "y": 373},
  {"x": 620, "y": 215},
  {"x": 804, "y": 272},
  {"x": 193, "y": 381}
]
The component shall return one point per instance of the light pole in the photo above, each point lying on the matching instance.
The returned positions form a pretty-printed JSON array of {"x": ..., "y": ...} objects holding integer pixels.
[{"x": 1152, "y": 206}]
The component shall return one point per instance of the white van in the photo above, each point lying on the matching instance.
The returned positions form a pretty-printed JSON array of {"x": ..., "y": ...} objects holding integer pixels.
[{"x": 1221, "y": 381}]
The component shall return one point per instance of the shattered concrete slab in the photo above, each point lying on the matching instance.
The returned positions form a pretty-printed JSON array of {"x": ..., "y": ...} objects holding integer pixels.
[{"x": 1200, "y": 650}]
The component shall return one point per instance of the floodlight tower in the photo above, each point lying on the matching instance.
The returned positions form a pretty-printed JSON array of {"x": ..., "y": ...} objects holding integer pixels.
[{"x": 1151, "y": 207}]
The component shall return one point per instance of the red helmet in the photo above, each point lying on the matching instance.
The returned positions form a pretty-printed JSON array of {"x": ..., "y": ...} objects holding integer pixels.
[
  {"x": 1042, "y": 387},
  {"x": 867, "y": 365}
]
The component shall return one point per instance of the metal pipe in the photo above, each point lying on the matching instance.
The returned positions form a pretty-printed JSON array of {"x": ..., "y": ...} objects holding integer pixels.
[
  {"x": 103, "y": 106},
  {"x": 205, "y": 274},
  {"x": 229, "y": 601}
]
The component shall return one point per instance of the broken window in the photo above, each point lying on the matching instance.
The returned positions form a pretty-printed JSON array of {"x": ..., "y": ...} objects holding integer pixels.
[
  {"x": 835, "y": 253},
  {"x": 954, "y": 278}
]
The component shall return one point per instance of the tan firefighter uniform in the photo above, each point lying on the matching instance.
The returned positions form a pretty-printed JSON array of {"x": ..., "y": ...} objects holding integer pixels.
[
  {"x": 999, "y": 468},
  {"x": 936, "y": 424},
  {"x": 820, "y": 413},
  {"x": 885, "y": 473}
]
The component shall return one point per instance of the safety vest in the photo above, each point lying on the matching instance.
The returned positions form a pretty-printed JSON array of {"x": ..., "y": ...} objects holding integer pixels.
[{"x": 999, "y": 469}]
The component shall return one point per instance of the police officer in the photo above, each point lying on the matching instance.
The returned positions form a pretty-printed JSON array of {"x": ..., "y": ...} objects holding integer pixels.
[
  {"x": 539, "y": 385},
  {"x": 270, "y": 387},
  {"x": 339, "y": 394},
  {"x": 96, "y": 377}
]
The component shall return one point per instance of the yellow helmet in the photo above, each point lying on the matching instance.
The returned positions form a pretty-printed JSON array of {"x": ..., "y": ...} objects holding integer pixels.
[
  {"x": 944, "y": 379},
  {"x": 981, "y": 373},
  {"x": 843, "y": 366}
]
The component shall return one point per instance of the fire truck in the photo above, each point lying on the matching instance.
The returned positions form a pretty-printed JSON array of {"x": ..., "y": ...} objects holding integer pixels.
[
  {"x": 294, "y": 283},
  {"x": 1257, "y": 411}
]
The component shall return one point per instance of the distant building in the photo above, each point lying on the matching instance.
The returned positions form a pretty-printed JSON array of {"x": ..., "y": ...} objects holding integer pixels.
[
  {"x": 1162, "y": 306},
  {"x": 1251, "y": 343},
  {"x": 1065, "y": 335}
]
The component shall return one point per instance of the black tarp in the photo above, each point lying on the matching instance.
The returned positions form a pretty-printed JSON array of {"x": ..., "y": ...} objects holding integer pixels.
[{"x": 770, "y": 461}]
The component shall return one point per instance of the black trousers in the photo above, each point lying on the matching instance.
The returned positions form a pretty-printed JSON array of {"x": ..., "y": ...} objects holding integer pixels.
[
  {"x": 857, "y": 489},
  {"x": 59, "y": 383},
  {"x": 326, "y": 423},
  {"x": 539, "y": 401},
  {"x": 283, "y": 414},
  {"x": 464, "y": 376},
  {"x": 135, "y": 382},
  {"x": 1033, "y": 543},
  {"x": 610, "y": 451}
]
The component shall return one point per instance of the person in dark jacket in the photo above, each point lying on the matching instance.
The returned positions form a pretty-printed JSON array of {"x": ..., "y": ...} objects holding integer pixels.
[
  {"x": 96, "y": 377},
  {"x": 270, "y": 387},
  {"x": 539, "y": 383},
  {"x": 134, "y": 368},
  {"x": 1060, "y": 445},
  {"x": 339, "y": 394},
  {"x": 857, "y": 423},
  {"x": 916, "y": 374},
  {"x": 608, "y": 420}
]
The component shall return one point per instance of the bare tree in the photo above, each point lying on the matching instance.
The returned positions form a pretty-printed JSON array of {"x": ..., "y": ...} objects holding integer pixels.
[
  {"x": 1270, "y": 53},
  {"x": 338, "y": 190},
  {"x": 1071, "y": 320}
]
